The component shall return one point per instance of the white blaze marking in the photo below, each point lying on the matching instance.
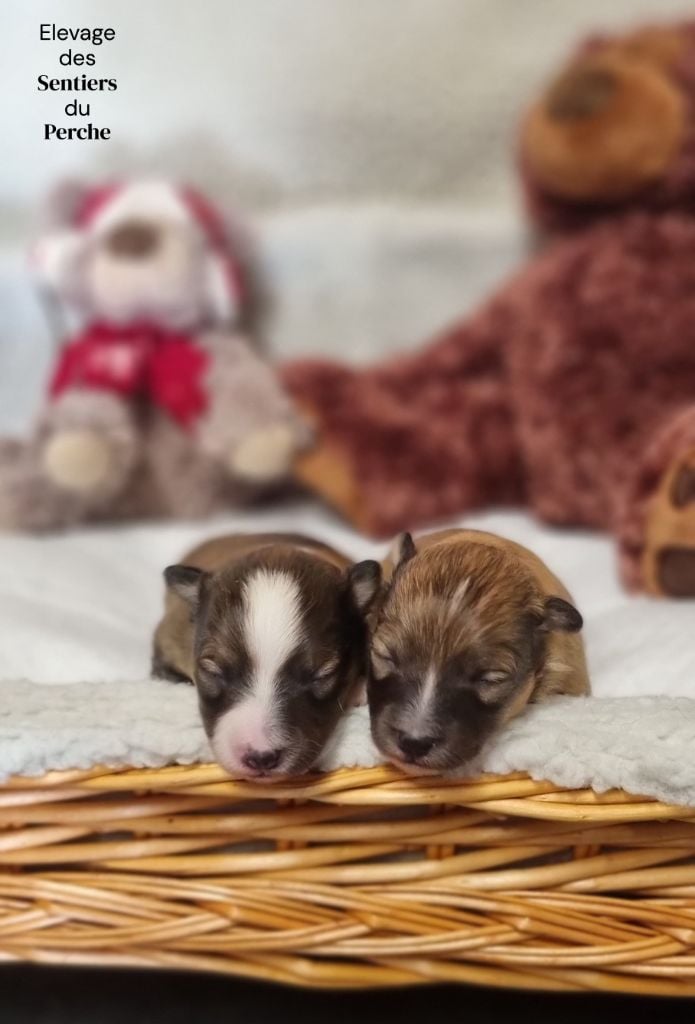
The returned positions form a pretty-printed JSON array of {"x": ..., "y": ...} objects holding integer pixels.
[
  {"x": 426, "y": 694},
  {"x": 272, "y": 629},
  {"x": 417, "y": 717},
  {"x": 455, "y": 605}
]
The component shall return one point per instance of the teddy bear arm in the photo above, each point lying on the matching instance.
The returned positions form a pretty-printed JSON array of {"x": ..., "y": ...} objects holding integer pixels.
[
  {"x": 417, "y": 438},
  {"x": 87, "y": 444}
]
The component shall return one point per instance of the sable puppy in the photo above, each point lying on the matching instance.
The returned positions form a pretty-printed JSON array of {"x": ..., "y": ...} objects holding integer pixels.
[
  {"x": 471, "y": 628},
  {"x": 271, "y": 629}
]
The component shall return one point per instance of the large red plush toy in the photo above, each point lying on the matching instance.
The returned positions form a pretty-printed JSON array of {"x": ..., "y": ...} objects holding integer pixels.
[{"x": 572, "y": 391}]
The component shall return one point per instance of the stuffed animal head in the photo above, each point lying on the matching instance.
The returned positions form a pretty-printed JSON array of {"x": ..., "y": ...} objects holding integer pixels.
[
  {"x": 615, "y": 130},
  {"x": 143, "y": 250}
]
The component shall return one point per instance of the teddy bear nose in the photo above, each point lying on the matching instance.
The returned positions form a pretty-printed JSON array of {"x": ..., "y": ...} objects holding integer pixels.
[
  {"x": 414, "y": 748},
  {"x": 262, "y": 760},
  {"x": 133, "y": 240}
]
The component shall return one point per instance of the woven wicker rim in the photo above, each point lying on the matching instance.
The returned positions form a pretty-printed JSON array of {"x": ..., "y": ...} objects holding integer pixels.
[{"x": 352, "y": 879}]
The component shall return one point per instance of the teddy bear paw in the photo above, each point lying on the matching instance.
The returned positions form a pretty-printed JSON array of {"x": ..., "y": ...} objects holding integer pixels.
[
  {"x": 77, "y": 460},
  {"x": 266, "y": 454},
  {"x": 669, "y": 555}
]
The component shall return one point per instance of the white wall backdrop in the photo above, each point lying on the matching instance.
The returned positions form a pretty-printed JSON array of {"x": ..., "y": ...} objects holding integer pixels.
[
  {"x": 277, "y": 101},
  {"x": 369, "y": 140}
]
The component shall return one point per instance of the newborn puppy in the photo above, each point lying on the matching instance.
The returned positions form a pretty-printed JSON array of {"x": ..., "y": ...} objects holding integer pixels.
[
  {"x": 471, "y": 628},
  {"x": 271, "y": 628}
]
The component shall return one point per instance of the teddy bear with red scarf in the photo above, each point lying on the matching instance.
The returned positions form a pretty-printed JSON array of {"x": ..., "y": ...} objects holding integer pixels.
[{"x": 158, "y": 405}]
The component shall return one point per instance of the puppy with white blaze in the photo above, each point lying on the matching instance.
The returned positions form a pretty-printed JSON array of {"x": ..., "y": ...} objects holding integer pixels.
[
  {"x": 471, "y": 628},
  {"x": 272, "y": 630}
]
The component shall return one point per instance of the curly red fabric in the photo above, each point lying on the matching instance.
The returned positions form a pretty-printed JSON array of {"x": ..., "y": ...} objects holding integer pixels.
[
  {"x": 549, "y": 396},
  {"x": 140, "y": 360}
]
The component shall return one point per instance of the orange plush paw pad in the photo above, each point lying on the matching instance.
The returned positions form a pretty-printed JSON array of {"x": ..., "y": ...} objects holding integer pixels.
[
  {"x": 668, "y": 561},
  {"x": 326, "y": 471}
]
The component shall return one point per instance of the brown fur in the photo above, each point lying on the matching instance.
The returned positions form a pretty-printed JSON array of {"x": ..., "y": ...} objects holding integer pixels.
[
  {"x": 471, "y": 629},
  {"x": 173, "y": 654},
  {"x": 519, "y": 578},
  {"x": 267, "y": 717}
]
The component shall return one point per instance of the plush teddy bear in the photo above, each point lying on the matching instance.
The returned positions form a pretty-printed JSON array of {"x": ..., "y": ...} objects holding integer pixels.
[
  {"x": 571, "y": 391},
  {"x": 614, "y": 131},
  {"x": 158, "y": 405}
]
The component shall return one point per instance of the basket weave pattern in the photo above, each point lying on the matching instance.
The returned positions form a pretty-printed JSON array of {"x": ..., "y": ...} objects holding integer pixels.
[{"x": 353, "y": 879}]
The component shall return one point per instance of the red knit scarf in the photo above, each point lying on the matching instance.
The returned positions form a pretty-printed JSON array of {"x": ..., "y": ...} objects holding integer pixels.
[{"x": 141, "y": 359}]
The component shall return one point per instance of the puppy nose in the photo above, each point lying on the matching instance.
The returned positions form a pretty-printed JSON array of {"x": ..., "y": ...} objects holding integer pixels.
[
  {"x": 414, "y": 748},
  {"x": 261, "y": 760}
]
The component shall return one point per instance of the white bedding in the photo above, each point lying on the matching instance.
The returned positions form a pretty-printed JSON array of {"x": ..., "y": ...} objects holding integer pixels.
[{"x": 80, "y": 608}]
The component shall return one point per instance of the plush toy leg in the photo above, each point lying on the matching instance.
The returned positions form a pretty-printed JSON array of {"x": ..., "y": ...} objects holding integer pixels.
[
  {"x": 77, "y": 460},
  {"x": 88, "y": 445},
  {"x": 73, "y": 468},
  {"x": 657, "y": 531},
  {"x": 250, "y": 428},
  {"x": 28, "y": 501},
  {"x": 265, "y": 455},
  {"x": 15, "y": 483}
]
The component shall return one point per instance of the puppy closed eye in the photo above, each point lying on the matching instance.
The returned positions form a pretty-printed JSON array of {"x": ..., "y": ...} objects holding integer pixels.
[
  {"x": 210, "y": 677},
  {"x": 499, "y": 676},
  {"x": 492, "y": 687},
  {"x": 324, "y": 679},
  {"x": 383, "y": 661}
]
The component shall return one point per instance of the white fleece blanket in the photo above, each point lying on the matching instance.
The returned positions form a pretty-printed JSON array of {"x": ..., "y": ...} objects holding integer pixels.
[{"x": 78, "y": 611}]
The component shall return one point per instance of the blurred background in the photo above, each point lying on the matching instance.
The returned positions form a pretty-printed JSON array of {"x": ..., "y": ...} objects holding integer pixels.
[
  {"x": 276, "y": 104},
  {"x": 369, "y": 145}
]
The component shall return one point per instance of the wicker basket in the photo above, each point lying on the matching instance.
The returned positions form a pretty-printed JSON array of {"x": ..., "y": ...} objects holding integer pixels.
[{"x": 354, "y": 879}]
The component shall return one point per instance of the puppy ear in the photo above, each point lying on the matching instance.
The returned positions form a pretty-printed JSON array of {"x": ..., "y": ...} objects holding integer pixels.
[
  {"x": 559, "y": 614},
  {"x": 402, "y": 550},
  {"x": 185, "y": 581},
  {"x": 364, "y": 582}
]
